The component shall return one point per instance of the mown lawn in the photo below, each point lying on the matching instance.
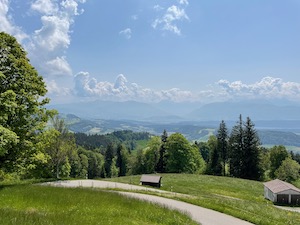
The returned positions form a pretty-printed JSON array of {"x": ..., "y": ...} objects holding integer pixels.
[
  {"x": 40, "y": 205},
  {"x": 241, "y": 198}
]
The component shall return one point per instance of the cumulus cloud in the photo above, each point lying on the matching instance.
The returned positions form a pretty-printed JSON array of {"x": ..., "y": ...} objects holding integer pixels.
[
  {"x": 266, "y": 88},
  {"x": 173, "y": 14},
  {"x": 55, "y": 90},
  {"x": 126, "y": 33},
  {"x": 122, "y": 90},
  {"x": 7, "y": 23},
  {"x": 49, "y": 43}
]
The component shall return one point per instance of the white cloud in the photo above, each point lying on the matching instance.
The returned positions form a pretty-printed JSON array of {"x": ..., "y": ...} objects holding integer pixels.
[
  {"x": 58, "y": 66},
  {"x": 46, "y": 7},
  {"x": 122, "y": 90},
  {"x": 7, "y": 25},
  {"x": 168, "y": 21},
  {"x": 183, "y": 2},
  {"x": 126, "y": 33},
  {"x": 267, "y": 88},
  {"x": 55, "y": 90},
  {"x": 49, "y": 43}
]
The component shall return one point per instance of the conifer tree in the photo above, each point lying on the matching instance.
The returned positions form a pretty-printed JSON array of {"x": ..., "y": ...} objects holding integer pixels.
[
  {"x": 222, "y": 145},
  {"x": 244, "y": 151},
  {"x": 236, "y": 149},
  {"x": 121, "y": 161},
  {"x": 161, "y": 165},
  {"x": 109, "y": 156}
]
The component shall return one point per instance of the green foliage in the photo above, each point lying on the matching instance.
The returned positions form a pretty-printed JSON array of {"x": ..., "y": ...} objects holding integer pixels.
[
  {"x": 109, "y": 156},
  {"x": 122, "y": 160},
  {"x": 222, "y": 146},
  {"x": 245, "y": 153},
  {"x": 128, "y": 138},
  {"x": 162, "y": 160},
  {"x": 28, "y": 204},
  {"x": 181, "y": 156},
  {"x": 22, "y": 111},
  {"x": 277, "y": 155},
  {"x": 214, "y": 164},
  {"x": 288, "y": 171}
]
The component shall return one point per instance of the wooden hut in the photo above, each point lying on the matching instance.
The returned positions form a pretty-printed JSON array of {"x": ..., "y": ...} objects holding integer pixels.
[
  {"x": 281, "y": 192},
  {"x": 151, "y": 180}
]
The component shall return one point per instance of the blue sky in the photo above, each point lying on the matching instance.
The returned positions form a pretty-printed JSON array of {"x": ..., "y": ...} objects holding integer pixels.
[{"x": 178, "y": 50}]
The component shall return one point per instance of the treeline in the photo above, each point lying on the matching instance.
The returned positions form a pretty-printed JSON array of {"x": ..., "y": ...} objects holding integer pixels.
[{"x": 126, "y": 137}]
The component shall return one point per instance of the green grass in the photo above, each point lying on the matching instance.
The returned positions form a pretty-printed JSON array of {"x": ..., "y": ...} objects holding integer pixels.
[
  {"x": 39, "y": 205},
  {"x": 237, "y": 197}
]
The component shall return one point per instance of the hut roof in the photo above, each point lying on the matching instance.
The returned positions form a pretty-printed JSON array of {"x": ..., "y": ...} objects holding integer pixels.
[
  {"x": 277, "y": 186},
  {"x": 150, "y": 178}
]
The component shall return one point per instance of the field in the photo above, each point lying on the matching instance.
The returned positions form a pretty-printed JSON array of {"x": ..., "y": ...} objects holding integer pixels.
[
  {"x": 31, "y": 204},
  {"x": 241, "y": 198}
]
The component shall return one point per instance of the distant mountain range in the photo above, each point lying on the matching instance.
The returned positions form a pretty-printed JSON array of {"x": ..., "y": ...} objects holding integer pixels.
[{"x": 178, "y": 112}]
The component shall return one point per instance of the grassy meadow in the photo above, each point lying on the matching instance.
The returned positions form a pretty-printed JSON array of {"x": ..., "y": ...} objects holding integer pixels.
[
  {"x": 237, "y": 197},
  {"x": 39, "y": 205}
]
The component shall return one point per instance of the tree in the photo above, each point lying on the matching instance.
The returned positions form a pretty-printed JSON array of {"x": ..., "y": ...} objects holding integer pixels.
[
  {"x": 204, "y": 150},
  {"x": 222, "y": 145},
  {"x": 161, "y": 164},
  {"x": 214, "y": 164},
  {"x": 108, "y": 160},
  {"x": 277, "y": 155},
  {"x": 236, "y": 146},
  {"x": 152, "y": 154},
  {"x": 121, "y": 161},
  {"x": 251, "y": 167},
  {"x": 244, "y": 151},
  {"x": 288, "y": 171},
  {"x": 62, "y": 147},
  {"x": 22, "y": 111},
  {"x": 182, "y": 157}
]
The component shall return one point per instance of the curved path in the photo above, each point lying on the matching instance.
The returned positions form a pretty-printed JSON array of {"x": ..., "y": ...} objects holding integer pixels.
[{"x": 197, "y": 213}]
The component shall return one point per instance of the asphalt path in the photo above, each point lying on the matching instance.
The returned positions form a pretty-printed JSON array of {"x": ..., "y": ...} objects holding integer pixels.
[{"x": 202, "y": 215}]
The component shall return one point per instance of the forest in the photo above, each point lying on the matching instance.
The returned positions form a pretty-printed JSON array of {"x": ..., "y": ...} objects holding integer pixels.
[{"x": 36, "y": 143}]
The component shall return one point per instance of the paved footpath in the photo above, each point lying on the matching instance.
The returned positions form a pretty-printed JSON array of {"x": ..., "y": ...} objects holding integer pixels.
[{"x": 197, "y": 213}]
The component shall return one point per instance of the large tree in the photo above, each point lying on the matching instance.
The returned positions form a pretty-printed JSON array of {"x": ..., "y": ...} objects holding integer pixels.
[
  {"x": 214, "y": 166},
  {"x": 244, "y": 151},
  {"x": 251, "y": 168},
  {"x": 22, "y": 111},
  {"x": 182, "y": 156},
  {"x": 122, "y": 160},
  {"x": 162, "y": 160},
  {"x": 222, "y": 145},
  {"x": 278, "y": 154},
  {"x": 108, "y": 160},
  {"x": 236, "y": 147},
  {"x": 288, "y": 171},
  {"x": 61, "y": 149}
]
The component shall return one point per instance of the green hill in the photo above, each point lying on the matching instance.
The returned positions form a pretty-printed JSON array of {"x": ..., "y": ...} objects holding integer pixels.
[{"x": 237, "y": 197}]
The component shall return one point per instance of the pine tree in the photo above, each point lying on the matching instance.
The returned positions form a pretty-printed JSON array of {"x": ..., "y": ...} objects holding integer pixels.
[
  {"x": 222, "y": 145},
  {"x": 244, "y": 151},
  {"x": 121, "y": 161},
  {"x": 109, "y": 156},
  {"x": 161, "y": 165},
  {"x": 214, "y": 164},
  {"x": 236, "y": 146},
  {"x": 251, "y": 167}
]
